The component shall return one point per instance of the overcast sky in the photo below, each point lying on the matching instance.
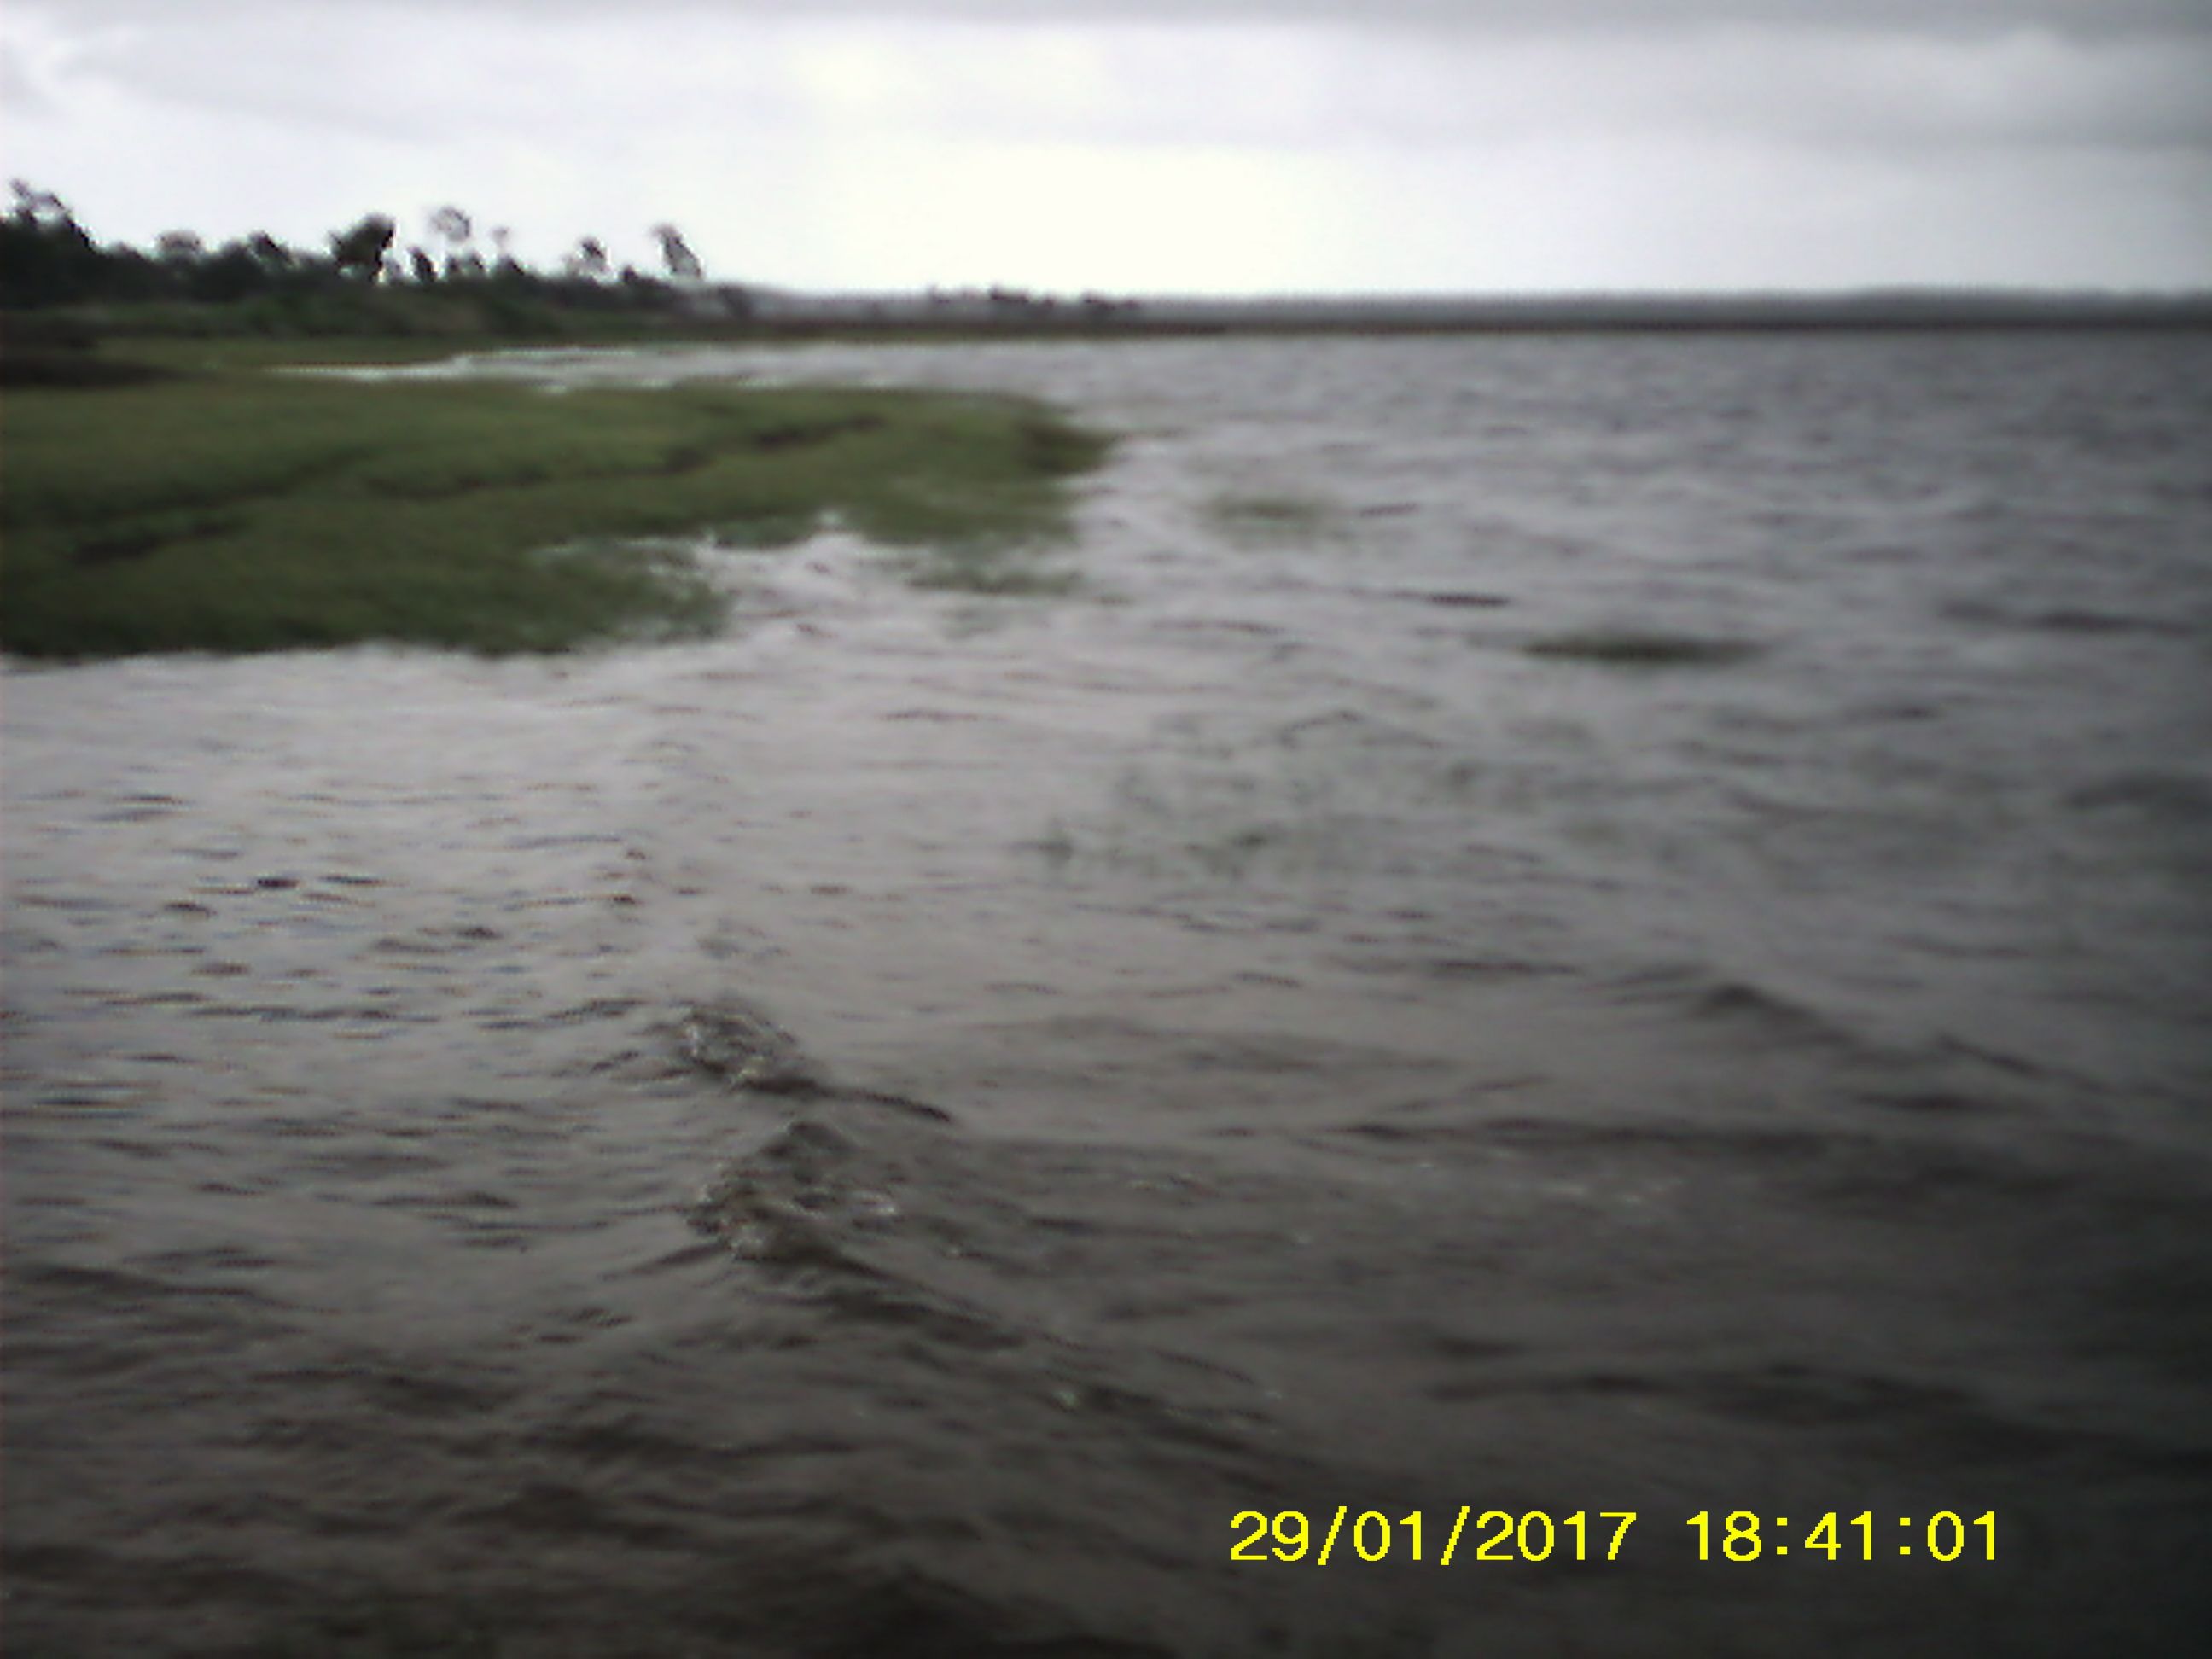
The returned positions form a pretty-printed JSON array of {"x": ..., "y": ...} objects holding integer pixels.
[{"x": 1185, "y": 146}]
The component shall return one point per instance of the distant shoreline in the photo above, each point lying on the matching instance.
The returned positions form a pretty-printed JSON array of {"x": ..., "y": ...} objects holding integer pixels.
[
  {"x": 419, "y": 324},
  {"x": 776, "y": 316}
]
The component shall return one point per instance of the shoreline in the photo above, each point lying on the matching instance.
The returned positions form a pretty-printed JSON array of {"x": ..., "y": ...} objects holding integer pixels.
[{"x": 412, "y": 325}]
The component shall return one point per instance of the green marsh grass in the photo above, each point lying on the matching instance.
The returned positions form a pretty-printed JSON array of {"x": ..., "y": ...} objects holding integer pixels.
[{"x": 229, "y": 509}]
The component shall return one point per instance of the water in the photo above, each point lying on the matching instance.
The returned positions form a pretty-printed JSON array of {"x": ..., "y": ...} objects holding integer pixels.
[{"x": 1558, "y": 925}]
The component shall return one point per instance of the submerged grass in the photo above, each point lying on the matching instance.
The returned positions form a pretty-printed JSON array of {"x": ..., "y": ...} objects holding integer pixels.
[
  {"x": 1622, "y": 648},
  {"x": 228, "y": 509},
  {"x": 1258, "y": 520}
]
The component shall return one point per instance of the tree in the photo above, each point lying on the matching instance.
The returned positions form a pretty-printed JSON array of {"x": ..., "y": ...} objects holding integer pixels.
[
  {"x": 454, "y": 227},
  {"x": 359, "y": 252},
  {"x": 236, "y": 270},
  {"x": 682, "y": 264},
  {"x": 505, "y": 266},
  {"x": 38, "y": 207},
  {"x": 46, "y": 258},
  {"x": 589, "y": 261}
]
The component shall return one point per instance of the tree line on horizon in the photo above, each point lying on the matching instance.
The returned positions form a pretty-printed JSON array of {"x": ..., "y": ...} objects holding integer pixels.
[{"x": 48, "y": 259}]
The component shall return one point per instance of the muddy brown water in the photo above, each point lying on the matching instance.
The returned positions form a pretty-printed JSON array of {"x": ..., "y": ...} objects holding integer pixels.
[{"x": 1556, "y": 927}]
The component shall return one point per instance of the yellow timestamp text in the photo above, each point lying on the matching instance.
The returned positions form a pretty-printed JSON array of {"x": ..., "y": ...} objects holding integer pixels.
[
  {"x": 1744, "y": 1535},
  {"x": 1501, "y": 1535}
]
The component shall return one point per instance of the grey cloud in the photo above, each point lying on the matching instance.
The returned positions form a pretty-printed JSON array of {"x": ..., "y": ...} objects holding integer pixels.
[
  {"x": 2069, "y": 16},
  {"x": 1834, "y": 83},
  {"x": 1836, "y": 91},
  {"x": 2085, "y": 18},
  {"x": 20, "y": 90}
]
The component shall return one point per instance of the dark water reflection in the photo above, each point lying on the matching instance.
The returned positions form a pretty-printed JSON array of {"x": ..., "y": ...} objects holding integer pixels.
[{"x": 884, "y": 1132}]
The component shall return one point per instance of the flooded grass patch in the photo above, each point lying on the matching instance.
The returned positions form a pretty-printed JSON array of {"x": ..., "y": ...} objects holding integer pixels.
[
  {"x": 1256, "y": 518},
  {"x": 229, "y": 509},
  {"x": 988, "y": 570},
  {"x": 1636, "y": 648}
]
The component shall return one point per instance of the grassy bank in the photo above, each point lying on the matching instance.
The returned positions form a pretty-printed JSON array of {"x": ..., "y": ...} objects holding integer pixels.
[{"x": 221, "y": 507}]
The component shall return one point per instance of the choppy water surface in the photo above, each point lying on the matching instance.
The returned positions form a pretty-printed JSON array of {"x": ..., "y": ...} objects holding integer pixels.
[{"x": 1556, "y": 926}]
